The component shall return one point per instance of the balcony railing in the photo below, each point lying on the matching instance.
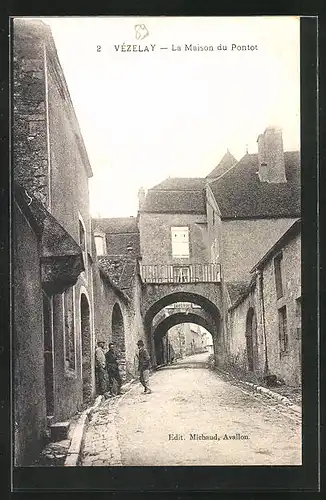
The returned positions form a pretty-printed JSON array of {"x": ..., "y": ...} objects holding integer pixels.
[{"x": 192, "y": 273}]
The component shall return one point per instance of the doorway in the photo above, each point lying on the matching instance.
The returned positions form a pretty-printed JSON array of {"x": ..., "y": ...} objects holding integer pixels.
[
  {"x": 118, "y": 338},
  {"x": 85, "y": 329},
  {"x": 48, "y": 355},
  {"x": 251, "y": 340}
]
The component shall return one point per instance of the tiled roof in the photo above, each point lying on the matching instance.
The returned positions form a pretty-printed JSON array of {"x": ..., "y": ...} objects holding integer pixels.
[
  {"x": 291, "y": 233},
  {"x": 120, "y": 269},
  {"x": 181, "y": 184},
  {"x": 115, "y": 225},
  {"x": 238, "y": 290},
  {"x": 239, "y": 193},
  {"x": 123, "y": 244},
  {"x": 177, "y": 195},
  {"x": 227, "y": 162}
]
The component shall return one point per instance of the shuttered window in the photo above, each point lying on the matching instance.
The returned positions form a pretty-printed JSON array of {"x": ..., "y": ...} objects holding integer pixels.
[{"x": 180, "y": 241}]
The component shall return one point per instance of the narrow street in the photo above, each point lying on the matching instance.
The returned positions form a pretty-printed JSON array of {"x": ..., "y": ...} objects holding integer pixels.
[{"x": 188, "y": 399}]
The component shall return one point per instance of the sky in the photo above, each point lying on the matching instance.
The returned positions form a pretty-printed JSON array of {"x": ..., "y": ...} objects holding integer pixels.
[{"x": 145, "y": 116}]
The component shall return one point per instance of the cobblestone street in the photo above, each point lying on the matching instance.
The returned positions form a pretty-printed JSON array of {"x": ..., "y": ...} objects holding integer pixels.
[{"x": 190, "y": 402}]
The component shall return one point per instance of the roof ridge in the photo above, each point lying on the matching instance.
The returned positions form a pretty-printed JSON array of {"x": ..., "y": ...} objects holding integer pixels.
[
  {"x": 171, "y": 189},
  {"x": 228, "y": 170}
]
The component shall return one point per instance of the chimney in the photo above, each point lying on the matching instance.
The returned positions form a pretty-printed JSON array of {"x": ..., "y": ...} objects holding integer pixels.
[
  {"x": 141, "y": 198},
  {"x": 271, "y": 166}
]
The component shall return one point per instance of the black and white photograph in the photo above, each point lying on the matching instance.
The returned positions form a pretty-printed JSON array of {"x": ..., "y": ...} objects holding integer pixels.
[{"x": 156, "y": 281}]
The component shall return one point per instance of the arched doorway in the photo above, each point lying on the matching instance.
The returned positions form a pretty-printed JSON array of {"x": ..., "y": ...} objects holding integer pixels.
[
  {"x": 251, "y": 340},
  {"x": 118, "y": 338},
  {"x": 85, "y": 329},
  {"x": 182, "y": 332},
  {"x": 203, "y": 312}
]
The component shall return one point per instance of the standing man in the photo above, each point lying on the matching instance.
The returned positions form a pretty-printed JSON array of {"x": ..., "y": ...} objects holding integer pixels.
[
  {"x": 113, "y": 368},
  {"x": 100, "y": 367},
  {"x": 144, "y": 364}
]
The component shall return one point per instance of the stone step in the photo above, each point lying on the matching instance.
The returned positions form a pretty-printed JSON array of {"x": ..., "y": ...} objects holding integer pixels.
[{"x": 59, "y": 431}]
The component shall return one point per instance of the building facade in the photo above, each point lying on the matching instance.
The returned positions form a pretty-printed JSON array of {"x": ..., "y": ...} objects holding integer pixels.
[
  {"x": 221, "y": 252},
  {"x": 48, "y": 156},
  {"x": 227, "y": 222},
  {"x": 265, "y": 320},
  {"x": 118, "y": 289}
]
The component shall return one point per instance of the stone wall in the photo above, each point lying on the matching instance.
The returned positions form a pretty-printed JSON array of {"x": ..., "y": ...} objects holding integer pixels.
[
  {"x": 30, "y": 153},
  {"x": 177, "y": 338},
  {"x": 106, "y": 297},
  {"x": 286, "y": 366},
  {"x": 50, "y": 161},
  {"x": 29, "y": 419},
  {"x": 238, "y": 353},
  {"x": 246, "y": 241},
  {"x": 155, "y": 238},
  {"x": 136, "y": 330}
]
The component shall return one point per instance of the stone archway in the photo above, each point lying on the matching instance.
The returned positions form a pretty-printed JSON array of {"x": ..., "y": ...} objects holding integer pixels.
[
  {"x": 162, "y": 329},
  {"x": 85, "y": 330},
  {"x": 118, "y": 337},
  {"x": 251, "y": 340},
  {"x": 214, "y": 326}
]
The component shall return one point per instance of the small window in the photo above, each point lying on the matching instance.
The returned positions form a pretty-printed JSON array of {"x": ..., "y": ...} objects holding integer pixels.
[
  {"x": 69, "y": 328},
  {"x": 82, "y": 243},
  {"x": 278, "y": 276},
  {"x": 180, "y": 242},
  {"x": 283, "y": 334},
  {"x": 298, "y": 317},
  {"x": 100, "y": 245}
]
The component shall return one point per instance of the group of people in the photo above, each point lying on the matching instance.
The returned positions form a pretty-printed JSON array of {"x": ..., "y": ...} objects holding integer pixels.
[{"x": 107, "y": 368}]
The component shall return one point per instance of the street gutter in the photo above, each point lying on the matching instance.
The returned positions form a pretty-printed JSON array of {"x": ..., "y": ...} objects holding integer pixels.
[
  {"x": 263, "y": 390},
  {"x": 74, "y": 451}
]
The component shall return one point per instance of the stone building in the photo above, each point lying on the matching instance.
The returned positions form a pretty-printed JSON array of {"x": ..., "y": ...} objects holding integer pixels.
[
  {"x": 117, "y": 289},
  {"x": 209, "y": 232},
  {"x": 258, "y": 200},
  {"x": 265, "y": 316},
  {"x": 53, "y": 330}
]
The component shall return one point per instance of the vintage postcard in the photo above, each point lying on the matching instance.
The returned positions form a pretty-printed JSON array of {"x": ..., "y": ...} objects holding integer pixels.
[{"x": 157, "y": 241}]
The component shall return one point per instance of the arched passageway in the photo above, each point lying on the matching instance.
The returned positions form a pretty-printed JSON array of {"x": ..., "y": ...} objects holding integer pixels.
[
  {"x": 118, "y": 337},
  {"x": 211, "y": 322},
  {"x": 189, "y": 297},
  {"x": 181, "y": 340},
  {"x": 85, "y": 329},
  {"x": 251, "y": 340}
]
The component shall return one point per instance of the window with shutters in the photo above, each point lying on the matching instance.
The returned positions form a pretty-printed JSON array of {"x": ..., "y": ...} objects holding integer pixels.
[{"x": 180, "y": 242}]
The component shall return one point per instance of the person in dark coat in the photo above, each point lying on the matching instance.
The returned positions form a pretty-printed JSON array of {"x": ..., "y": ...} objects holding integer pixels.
[
  {"x": 113, "y": 368},
  {"x": 144, "y": 364}
]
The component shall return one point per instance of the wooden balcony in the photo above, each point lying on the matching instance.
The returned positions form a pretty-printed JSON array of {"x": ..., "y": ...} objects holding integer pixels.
[{"x": 192, "y": 273}]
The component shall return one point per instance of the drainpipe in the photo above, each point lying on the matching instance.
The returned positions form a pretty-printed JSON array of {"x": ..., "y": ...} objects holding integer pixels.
[{"x": 262, "y": 308}]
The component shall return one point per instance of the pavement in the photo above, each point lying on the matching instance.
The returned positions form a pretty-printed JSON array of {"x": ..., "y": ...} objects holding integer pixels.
[{"x": 193, "y": 417}]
